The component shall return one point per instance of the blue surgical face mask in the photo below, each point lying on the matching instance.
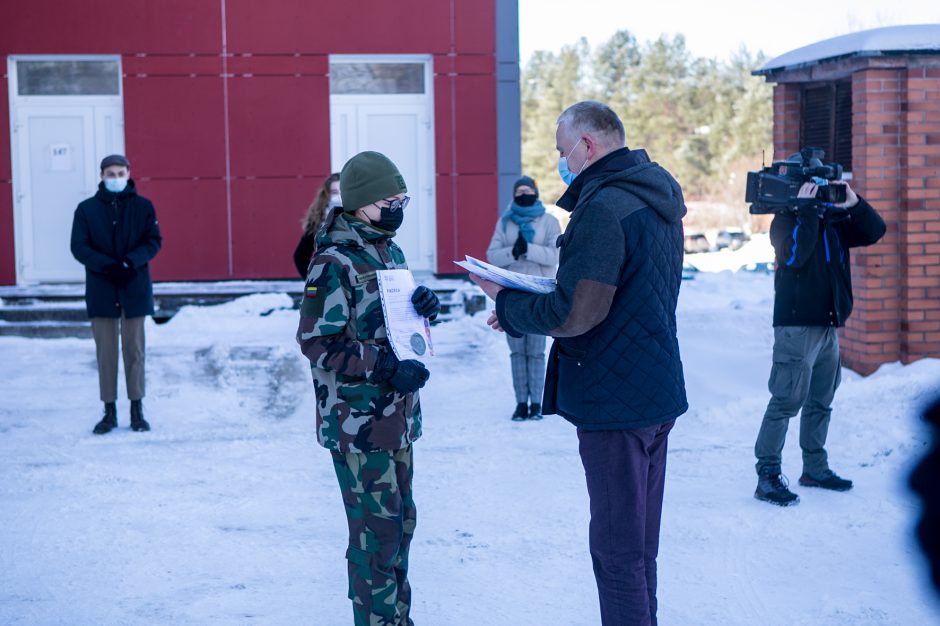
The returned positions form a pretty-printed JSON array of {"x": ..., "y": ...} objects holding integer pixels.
[
  {"x": 567, "y": 176},
  {"x": 115, "y": 185}
]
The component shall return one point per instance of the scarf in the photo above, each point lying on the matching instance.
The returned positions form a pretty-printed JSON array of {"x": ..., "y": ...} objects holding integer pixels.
[{"x": 523, "y": 216}]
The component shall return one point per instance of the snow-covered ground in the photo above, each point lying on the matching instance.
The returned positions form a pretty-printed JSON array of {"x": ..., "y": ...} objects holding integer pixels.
[{"x": 228, "y": 511}]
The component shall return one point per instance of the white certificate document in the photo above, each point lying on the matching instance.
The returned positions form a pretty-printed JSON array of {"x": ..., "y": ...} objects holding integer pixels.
[
  {"x": 408, "y": 333},
  {"x": 505, "y": 278}
]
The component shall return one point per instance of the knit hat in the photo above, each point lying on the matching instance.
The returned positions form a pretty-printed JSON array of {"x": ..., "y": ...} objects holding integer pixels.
[
  {"x": 369, "y": 177},
  {"x": 526, "y": 181},
  {"x": 115, "y": 159}
]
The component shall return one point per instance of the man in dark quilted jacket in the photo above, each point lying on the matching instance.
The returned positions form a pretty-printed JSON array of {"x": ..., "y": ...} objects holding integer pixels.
[{"x": 614, "y": 369}]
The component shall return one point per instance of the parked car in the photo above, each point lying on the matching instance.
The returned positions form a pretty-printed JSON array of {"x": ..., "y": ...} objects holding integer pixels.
[
  {"x": 696, "y": 242},
  {"x": 731, "y": 238}
]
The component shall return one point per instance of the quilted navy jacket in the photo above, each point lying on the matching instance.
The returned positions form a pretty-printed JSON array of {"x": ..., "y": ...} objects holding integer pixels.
[{"x": 615, "y": 360}]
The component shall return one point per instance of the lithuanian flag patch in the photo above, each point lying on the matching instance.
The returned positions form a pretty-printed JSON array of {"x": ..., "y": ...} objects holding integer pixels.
[{"x": 311, "y": 292}]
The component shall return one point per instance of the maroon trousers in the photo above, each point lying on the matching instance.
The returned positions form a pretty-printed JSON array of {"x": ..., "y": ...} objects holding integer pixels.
[{"x": 625, "y": 471}]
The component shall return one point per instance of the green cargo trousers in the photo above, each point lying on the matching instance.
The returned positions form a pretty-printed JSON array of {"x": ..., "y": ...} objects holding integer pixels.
[
  {"x": 805, "y": 375},
  {"x": 381, "y": 514}
]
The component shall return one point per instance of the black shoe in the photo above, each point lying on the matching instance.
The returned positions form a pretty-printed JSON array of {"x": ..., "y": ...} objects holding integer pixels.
[
  {"x": 772, "y": 487},
  {"x": 109, "y": 421},
  {"x": 826, "y": 480},
  {"x": 138, "y": 423},
  {"x": 521, "y": 412},
  {"x": 535, "y": 411}
]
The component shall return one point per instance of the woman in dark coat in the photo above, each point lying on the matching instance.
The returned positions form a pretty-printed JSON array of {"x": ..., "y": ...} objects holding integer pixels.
[{"x": 327, "y": 197}]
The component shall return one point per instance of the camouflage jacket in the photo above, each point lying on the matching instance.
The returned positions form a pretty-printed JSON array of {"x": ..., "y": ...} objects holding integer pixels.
[{"x": 342, "y": 330}]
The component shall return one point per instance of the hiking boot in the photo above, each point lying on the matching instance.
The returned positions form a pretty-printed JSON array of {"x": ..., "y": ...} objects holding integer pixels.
[
  {"x": 138, "y": 423},
  {"x": 108, "y": 421},
  {"x": 826, "y": 480},
  {"x": 535, "y": 411},
  {"x": 521, "y": 412},
  {"x": 772, "y": 487}
]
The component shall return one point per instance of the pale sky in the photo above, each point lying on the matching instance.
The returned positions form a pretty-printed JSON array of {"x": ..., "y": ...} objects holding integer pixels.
[{"x": 712, "y": 29}]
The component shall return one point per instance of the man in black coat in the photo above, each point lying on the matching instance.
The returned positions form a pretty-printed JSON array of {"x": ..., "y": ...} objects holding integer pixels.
[
  {"x": 115, "y": 235},
  {"x": 813, "y": 298},
  {"x": 614, "y": 369}
]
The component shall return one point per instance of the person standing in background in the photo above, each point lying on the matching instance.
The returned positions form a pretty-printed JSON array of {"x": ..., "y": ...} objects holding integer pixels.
[
  {"x": 526, "y": 241},
  {"x": 812, "y": 300},
  {"x": 115, "y": 235},
  {"x": 326, "y": 199}
]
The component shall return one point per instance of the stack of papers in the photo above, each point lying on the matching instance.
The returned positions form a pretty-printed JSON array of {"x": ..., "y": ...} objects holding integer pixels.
[{"x": 505, "y": 278}]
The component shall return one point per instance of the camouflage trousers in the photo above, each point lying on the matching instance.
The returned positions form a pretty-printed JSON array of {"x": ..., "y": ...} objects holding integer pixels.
[{"x": 381, "y": 514}]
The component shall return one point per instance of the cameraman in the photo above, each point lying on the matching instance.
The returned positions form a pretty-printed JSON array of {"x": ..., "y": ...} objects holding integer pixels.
[{"x": 813, "y": 298}]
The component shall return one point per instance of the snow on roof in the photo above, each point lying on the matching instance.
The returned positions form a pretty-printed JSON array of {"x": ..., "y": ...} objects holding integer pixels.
[{"x": 877, "y": 41}]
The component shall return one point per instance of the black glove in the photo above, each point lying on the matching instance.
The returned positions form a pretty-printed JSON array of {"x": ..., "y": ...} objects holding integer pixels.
[
  {"x": 119, "y": 272},
  {"x": 520, "y": 247},
  {"x": 405, "y": 376},
  {"x": 125, "y": 273},
  {"x": 113, "y": 270},
  {"x": 426, "y": 303}
]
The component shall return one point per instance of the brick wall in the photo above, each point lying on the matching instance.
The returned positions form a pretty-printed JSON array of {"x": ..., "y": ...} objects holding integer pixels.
[
  {"x": 920, "y": 221},
  {"x": 786, "y": 120},
  {"x": 896, "y": 166},
  {"x": 872, "y": 335}
]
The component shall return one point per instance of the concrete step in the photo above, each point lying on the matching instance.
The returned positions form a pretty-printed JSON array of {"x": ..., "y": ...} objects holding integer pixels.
[
  {"x": 58, "y": 310},
  {"x": 27, "y": 313},
  {"x": 46, "y": 329}
]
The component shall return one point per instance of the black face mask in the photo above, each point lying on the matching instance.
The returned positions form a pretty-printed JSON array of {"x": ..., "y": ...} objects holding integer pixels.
[
  {"x": 390, "y": 220},
  {"x": 526, "y": 199}
]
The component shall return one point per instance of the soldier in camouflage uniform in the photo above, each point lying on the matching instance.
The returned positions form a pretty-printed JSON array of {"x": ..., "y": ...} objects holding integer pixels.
[{"x": 368, "y": 412}]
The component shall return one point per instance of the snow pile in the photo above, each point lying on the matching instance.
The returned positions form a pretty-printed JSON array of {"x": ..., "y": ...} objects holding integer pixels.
[{"x": 228, "y": 511}]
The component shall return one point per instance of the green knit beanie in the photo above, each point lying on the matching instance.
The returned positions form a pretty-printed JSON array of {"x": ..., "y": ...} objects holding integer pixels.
[{"x": 369, "y": 177}]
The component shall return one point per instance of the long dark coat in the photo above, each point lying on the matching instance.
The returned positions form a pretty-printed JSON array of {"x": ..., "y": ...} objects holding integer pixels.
[{"x": 107, "y": 228}]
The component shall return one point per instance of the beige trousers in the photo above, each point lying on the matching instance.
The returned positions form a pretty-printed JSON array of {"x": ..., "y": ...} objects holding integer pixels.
[{"x": 131, "y": 331}]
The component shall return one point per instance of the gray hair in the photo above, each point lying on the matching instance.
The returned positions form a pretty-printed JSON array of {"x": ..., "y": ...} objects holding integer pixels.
[{"x": 594, "y": 117}]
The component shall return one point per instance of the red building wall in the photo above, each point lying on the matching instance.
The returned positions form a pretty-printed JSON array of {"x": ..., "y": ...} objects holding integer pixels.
[{"x": 227, "y": 120}]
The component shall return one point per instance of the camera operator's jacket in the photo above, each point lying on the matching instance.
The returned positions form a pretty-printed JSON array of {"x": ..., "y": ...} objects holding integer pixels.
[
  {"x": 813, "y": 281},
  {"x": 342, "y": 330},
  {"x": 615, "y": 361}
]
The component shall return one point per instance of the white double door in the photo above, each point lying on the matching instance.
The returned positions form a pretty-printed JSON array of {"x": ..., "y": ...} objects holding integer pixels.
[
  {"x": 403, "y": 131},
  {"x": 57, "y": 147}
]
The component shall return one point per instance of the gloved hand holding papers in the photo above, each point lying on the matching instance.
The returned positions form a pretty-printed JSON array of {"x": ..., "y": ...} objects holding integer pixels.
[{"x": 505, "y": 278}]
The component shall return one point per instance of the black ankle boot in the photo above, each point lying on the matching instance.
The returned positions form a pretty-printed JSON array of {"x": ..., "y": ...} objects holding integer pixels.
[
  {"x": 521, "y": 412},
  {"x": 109, "y": 421},
  {"x": 535, "y": 411},
  {"x": 138, "y": 423}
]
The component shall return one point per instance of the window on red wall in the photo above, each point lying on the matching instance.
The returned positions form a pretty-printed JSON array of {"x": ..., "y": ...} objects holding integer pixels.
[{"x": 826, "y": 120}]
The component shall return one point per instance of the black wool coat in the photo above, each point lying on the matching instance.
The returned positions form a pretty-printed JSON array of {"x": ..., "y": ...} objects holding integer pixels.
[{"x": 107, "y": 228}]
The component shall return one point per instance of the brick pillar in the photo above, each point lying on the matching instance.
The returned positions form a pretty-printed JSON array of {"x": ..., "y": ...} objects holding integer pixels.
[
  {"x": 872, "y": 335},
  {"x": 786, "y": 120},
  {"x": 920, "y": 221}
]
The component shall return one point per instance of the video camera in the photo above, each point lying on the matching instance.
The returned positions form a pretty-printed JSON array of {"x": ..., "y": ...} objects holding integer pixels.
[{"x": 774, "y": 188}]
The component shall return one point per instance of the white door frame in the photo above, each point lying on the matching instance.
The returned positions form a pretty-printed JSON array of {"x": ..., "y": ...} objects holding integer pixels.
[
  {"x": 100, "y": 134},
  {"x": 427, "y": 191}
]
